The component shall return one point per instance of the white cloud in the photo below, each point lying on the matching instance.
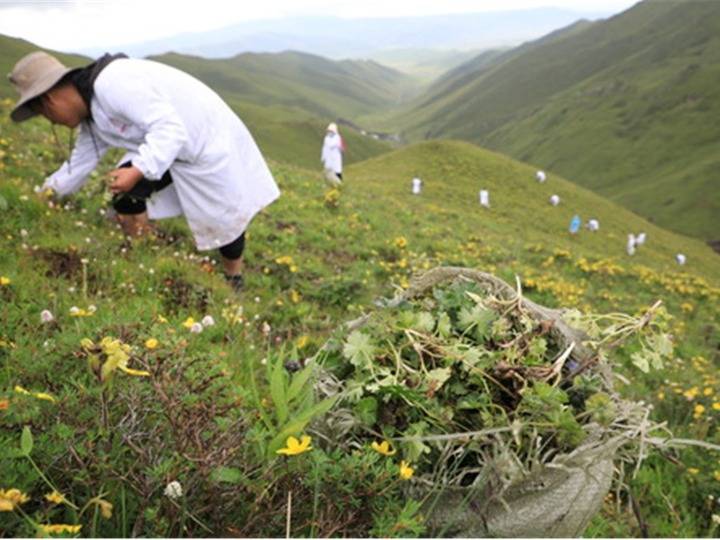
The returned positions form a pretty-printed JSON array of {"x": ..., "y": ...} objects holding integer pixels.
[{"x": 74, "y": 25}]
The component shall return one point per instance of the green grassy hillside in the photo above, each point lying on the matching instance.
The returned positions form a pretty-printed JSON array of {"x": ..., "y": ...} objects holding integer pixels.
[
  {"x": 322, "y": 87},
  {"x": 619, "y": 106},
  {"x": 205, "y": 413}
]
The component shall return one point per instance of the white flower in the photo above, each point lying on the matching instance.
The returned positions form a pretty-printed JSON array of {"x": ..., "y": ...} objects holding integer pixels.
[
  {"x": 91, "y": 308},
  {"x": 207, "y": 321},
  {"x": 196, "y": 328},
  {"x": 174, "y": 490},
  {"x": 265, "y": 328},
  {"x": 46, "y": 316},
  {"x": 23, "y": 233},
  {"x": 74, "y": 310}
]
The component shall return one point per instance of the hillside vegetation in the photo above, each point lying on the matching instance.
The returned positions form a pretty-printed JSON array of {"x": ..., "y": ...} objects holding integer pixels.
[
  {"x": 619, "y": 106},
  {"x": 205, "y": 409},
  {"x": 320, "y": 86}
]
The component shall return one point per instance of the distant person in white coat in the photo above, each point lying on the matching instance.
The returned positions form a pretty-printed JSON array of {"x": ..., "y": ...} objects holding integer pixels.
[
  {"x": 332, "y": 154},
  {"x": 187, "y": 152},
  {"x": 540, "y": 176}
]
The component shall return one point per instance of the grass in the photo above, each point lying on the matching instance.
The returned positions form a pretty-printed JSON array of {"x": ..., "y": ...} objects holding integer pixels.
[{"x": 212, "y": 409}]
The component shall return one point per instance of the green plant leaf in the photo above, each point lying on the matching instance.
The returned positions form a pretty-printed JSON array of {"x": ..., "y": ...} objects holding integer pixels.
[
  {"x": 277, "y": 390},
  {"x": 26, "y": 441},
  {"x": 299, "y": 382},
  {"x": 359, "y": 350},
  {"x": 227, "y": 475}
]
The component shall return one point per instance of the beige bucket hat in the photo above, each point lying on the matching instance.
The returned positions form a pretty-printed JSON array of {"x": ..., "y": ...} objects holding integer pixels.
[
  {"x": 32, "y": 76},
  {"x": 332, "y": 127}
]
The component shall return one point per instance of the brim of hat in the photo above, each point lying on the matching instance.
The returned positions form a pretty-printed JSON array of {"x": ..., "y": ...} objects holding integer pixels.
[{"x": 22, "y": 110}]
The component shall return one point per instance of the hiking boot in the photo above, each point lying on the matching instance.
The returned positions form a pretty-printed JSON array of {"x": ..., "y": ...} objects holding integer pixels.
[{"x": 236, "y": 282}]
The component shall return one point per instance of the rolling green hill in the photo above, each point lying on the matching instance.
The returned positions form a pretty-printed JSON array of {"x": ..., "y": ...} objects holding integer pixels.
[
  {"x": 620, "y": 106},
  {"x": 198, "y": 408},
  {"x": 325, "y": 88}
]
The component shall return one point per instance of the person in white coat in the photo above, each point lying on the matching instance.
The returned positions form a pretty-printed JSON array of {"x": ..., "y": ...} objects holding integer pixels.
[
  {"x": 187, "y": 152},
  {"x": 332, "y": 152}
]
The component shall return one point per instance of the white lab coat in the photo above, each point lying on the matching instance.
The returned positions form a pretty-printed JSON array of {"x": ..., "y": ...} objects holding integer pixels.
[
  {"x": 168, "y": 120},
  {"x": 331, "y": 155}
]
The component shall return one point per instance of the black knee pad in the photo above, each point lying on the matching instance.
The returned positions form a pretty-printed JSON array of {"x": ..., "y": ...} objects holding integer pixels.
[
  {"x": 129, "y": 205},
  {"x": 234, "y": 249}
]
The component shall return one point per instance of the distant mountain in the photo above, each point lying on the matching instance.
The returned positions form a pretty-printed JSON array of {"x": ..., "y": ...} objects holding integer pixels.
[
  {"x": 424, "y": 64},
  {"x": 624, "y": 106},
  {"x": 335, "y": 37}
]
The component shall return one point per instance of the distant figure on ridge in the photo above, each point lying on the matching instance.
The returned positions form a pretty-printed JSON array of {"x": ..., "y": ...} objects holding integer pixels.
[
  {"x": 331, "y": 156},
  {"x": 593, "y": 225},
  {"x": 631, "y": 243},
  {"x": 484, "y": 198},
  {"x": 575, "y": 223},
  {"x": 187, "y": 152},
  {"x": 554, "y": 200},
  {"x": 416, "y": 186},
  {"x": 540, "y": 175}
]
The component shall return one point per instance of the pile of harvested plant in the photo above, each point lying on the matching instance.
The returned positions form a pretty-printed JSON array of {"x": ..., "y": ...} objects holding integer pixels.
[{"x": 505, "y": 412}]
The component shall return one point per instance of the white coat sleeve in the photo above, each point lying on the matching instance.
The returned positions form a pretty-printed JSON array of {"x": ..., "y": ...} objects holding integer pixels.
[
  {"x": 147, "y": 108},
  {"x": 84, "y": 158},
  {"x": 324, "y": 153}
]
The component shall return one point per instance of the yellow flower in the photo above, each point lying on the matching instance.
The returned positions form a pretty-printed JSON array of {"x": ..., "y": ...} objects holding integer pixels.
[
  {"x": 400, "y": 242},
  {"x": 383, "y": 448},
  {"x": 106, "y": 508},
  {"x": 59, "y": 529},
  {"x": 20, "y": 390},
  {"x": 302, "y": 341},
  {"x": 716, "y": 406},
  {"x": 161, "y": 319},
  {"x": 295, "y": 296},
  {"x": 87, "y": 343},
  {"x": 295, "y": 447},
  {"x": 151, "y": 344},
  {"x": 693, "y": 470},
  {"x": 188, "y": 322},
  {"x": 136, "y": 372},
  {"x": 708, "y": 391},
  {"x": 661, "y": 395},
  {"x": 11, "y": 498},
  {"x": 699, "y": 409},
  {"x": 4, "y": 281},
  {"x": 55, "y": 497},
  {"x": 716, "y": 475},
  {"x": 286, "y": 260},
  {"x": 44, "y": 396},
  {"x": 406, "y": 471}
]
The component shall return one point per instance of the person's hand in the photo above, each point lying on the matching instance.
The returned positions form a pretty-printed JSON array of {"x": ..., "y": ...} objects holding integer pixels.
[{"x": 124, "y": 179}]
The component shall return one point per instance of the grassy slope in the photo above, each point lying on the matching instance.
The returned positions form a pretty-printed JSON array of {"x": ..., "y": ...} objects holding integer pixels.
[
  {"x": 323, "y": 87},
  {"x": 618, "y": 106},
  {"x": 345, "y": 257}
]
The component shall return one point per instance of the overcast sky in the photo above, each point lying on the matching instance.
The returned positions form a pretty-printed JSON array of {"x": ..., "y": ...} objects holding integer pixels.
[{"x": 75, "y": 25}]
